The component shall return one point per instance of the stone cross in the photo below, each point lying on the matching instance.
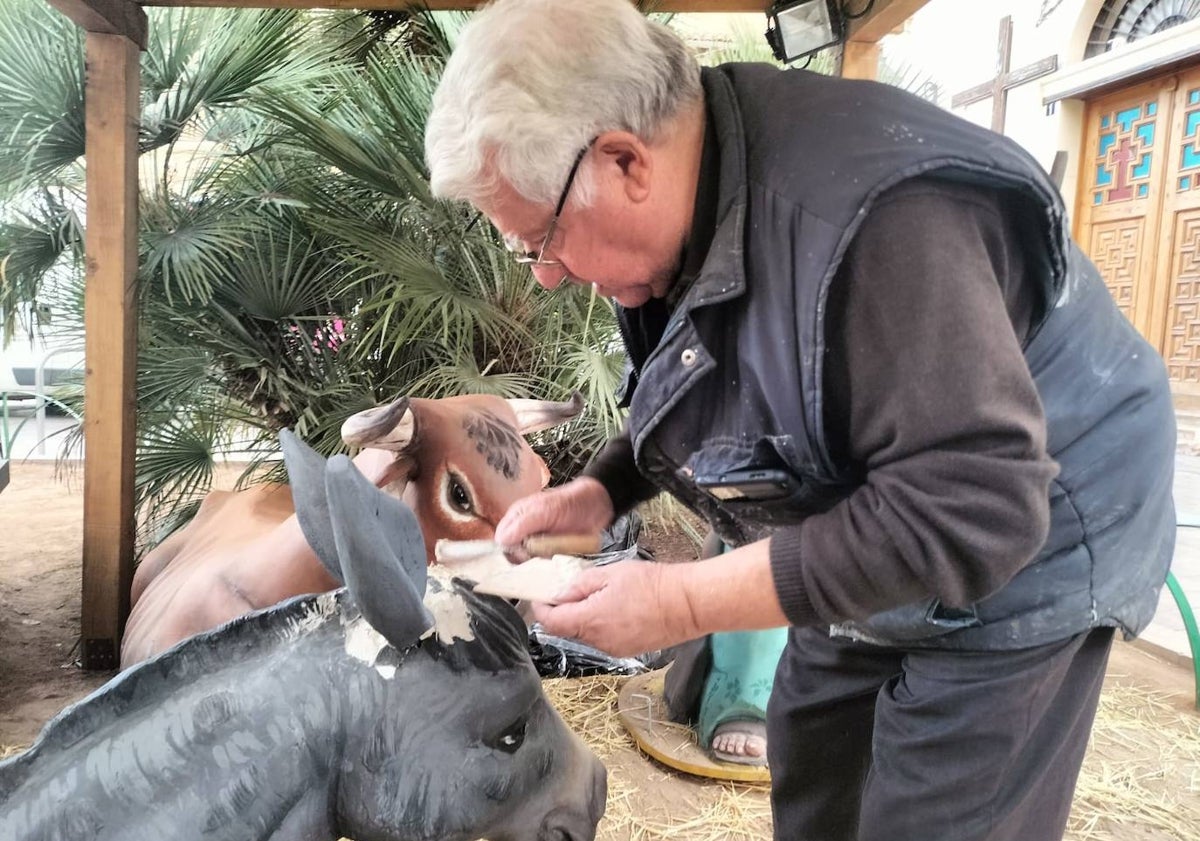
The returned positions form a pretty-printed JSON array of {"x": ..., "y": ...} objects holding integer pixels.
[{"x": 998, "y": 87}]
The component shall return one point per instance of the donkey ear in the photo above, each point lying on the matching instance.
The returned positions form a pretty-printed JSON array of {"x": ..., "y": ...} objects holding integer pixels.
[
  {"x": 306, "y": 474},
  {"x": 382, "y": 554}
]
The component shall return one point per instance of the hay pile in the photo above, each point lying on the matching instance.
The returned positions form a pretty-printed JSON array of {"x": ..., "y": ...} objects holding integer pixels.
[
  {"x": 10, "y": 750},
  {"x": 645, "y": 800},
  {"x": 1140, "y": 779},
  {"x": 1141, "y": 775}
]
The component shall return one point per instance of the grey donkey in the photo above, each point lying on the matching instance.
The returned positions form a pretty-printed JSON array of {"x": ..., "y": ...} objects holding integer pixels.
[{"x": 379, "y": 711}]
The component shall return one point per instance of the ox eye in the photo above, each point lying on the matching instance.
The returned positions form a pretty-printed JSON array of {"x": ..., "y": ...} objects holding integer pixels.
[
  {"x": 511, "y": 739},
  {"x": 457, "y": 495}
]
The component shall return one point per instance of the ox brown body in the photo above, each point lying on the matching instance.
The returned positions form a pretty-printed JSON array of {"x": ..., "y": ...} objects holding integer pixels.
[{"x": 458, "y": 462}]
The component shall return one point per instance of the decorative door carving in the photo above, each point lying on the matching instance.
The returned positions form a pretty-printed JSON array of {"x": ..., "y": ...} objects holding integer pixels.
[
  {"x": 1179, "y": 259},
  {"x": 1139, "y": 210}
]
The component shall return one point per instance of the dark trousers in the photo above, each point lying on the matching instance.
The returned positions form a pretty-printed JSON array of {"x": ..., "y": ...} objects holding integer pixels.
[{"x": 880, "y": 744}]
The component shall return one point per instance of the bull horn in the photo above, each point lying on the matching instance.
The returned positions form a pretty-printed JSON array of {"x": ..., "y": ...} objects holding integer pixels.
[
  {"x": 536, "y": 415},
  {"x": 389, "y": 427},
  {"x": 382, "y": 553},
  {"x": 306, "y": 475}
]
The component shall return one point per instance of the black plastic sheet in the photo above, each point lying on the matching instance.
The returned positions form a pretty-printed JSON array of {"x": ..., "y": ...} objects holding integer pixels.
[{"x": 559, "y": 657}]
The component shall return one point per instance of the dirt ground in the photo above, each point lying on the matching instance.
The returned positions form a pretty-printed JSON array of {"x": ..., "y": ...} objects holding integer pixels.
[{"x": 1141, "y": 778}]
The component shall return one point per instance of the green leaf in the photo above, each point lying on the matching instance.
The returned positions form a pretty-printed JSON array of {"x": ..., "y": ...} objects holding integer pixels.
[{"x": 41, "y": 92}]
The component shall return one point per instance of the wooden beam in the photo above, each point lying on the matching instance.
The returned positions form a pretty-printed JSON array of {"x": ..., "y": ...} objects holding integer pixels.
[
  {"x": 884, "y": 17},
  {"x": 110, "y": 344},
  {"x": 759, "y": 6},
  {"x": 112, "y": 17}
]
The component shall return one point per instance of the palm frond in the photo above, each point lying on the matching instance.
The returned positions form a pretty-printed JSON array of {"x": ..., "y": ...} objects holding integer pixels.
[
  {"x": 173, "y": 470},
  {"x": 172, "y": 374},
  {"x": 209, "y": 60},
  {"x": 187, "y": 244},
  {"x": 282, "y": 273},
  {"x": 372, "y": 124},
  {"x": 46, "y": 236},
  {"x": 41, "y": 92}
]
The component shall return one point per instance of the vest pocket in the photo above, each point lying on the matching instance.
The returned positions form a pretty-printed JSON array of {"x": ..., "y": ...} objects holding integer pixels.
[
  {"x": 952, "y": 618},
  {"x": 911, "y": 623},
  {"x": 746, "y": 490}
]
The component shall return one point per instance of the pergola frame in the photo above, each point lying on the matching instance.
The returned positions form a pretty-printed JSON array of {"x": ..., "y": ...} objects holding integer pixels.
[{"x": 116, "y": 33}]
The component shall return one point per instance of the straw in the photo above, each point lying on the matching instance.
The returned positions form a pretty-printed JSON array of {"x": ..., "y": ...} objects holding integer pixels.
[{"x": 1140, "y": 778}]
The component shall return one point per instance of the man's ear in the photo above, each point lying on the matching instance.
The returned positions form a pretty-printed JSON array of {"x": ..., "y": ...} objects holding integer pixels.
[{"x": 631, "y": 161}]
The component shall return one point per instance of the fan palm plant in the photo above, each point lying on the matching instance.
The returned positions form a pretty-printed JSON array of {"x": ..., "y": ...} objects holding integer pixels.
[{"x": 293, "y": 267}]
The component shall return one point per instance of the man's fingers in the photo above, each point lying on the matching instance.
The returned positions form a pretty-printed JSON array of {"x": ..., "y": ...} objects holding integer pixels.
[
  {"x": 568, "y": 618},
  {"x": 586, "y": 582},
  {"x": 555, "y": 511},
  {"x": 530, "y": 515},
  {"x": 557, "y": 620}
]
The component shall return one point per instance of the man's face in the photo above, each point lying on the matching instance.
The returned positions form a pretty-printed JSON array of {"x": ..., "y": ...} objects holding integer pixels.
[{"x": 613, "y": 244}]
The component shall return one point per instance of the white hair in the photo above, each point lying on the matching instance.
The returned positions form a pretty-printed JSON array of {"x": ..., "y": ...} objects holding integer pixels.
[{"x": 532, "y": 82}]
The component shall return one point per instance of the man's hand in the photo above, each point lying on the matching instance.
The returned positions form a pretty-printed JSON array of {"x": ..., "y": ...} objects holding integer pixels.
[
  {"x": 624, "y": 609},
  {"x": 582, "y": 506},
  {"x": 631, "y": 607}
]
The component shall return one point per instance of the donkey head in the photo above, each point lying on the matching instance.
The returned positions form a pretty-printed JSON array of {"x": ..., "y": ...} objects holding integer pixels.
[{"x": 468, "y": 745}]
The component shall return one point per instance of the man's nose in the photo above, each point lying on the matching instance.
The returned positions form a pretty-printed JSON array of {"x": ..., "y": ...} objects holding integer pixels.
[{"x": 549, "y": 277}]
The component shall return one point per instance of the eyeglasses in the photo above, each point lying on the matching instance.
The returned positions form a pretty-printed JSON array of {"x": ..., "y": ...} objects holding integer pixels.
[{"x": 538, "y": 258}]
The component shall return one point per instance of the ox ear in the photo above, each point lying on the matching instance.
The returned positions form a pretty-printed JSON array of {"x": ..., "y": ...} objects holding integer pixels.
[
  {"x": 389, "y": 427},
  {"x": 382, "y": 553},
  {"x": 306, "y": 473},
  {"x": 536, "y": 415}
]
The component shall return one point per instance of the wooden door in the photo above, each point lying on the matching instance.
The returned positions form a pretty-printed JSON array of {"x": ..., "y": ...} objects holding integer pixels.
[
  {"x": 1138, "y": 215},
  {"x": 1118, "y": 214},
  {"x": 1179, "y": 254}
]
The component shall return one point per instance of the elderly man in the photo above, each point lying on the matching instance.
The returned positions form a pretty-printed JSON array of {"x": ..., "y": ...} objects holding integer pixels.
[{"x": 863, "y": 347}]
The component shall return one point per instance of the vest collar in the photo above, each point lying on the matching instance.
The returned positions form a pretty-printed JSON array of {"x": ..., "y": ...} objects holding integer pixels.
[{"x": 723, "y": 275}]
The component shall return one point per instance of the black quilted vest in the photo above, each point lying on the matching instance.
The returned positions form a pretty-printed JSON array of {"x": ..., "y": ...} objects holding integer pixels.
[{"x": 735, "y": 382}]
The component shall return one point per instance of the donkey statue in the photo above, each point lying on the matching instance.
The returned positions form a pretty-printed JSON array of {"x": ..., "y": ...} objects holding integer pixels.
[
  {"x": 401, "y": 707},
  {"x": 458, "y": 462}
]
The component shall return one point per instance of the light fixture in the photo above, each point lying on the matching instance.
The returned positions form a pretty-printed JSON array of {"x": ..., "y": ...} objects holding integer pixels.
[
  {"x": 798, "y": 28},
  {"x": 802, "y": 27}
]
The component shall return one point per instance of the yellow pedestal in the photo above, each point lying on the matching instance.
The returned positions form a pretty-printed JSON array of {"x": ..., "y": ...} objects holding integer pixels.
[{"x": 643, "y": 712}]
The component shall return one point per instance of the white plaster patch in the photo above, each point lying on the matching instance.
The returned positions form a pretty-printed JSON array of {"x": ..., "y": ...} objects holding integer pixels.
[
  {"x": 473, "y": 559},
  {"x": 315, "y": 613},
  {"x": 451, "y": 616},
  {"x": 536, "y": 580},
  {"x": 364, "y": 643}
]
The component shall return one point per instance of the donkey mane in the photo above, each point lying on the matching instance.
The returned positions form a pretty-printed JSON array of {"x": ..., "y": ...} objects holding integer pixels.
[
  {"x": 499, "y": 643},
  {"x": 217, "y": 649}
]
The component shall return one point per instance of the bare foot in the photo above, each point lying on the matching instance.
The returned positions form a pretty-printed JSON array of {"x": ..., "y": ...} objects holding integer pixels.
[{"x": 743, "y": 741}]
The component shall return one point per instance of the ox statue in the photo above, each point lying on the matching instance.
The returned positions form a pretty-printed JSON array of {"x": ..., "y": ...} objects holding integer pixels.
[
  {"x": 458, "y": 462},
  {"x": 387, "y": 710}
]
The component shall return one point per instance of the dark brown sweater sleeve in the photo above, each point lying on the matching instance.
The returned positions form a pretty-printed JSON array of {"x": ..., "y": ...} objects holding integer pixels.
[
  {"x": 928, "y": 395},
  {"x": 614, "y": 468}
]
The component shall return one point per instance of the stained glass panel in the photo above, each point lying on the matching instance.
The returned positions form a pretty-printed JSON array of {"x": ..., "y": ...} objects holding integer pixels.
[{"x": 1124, "y": 154}]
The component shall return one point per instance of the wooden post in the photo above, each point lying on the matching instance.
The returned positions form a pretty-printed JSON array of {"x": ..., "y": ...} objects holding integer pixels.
[
  {"x": 110, "y": 349},
  {"x": 860, "y": 54},
  {"x": 860, "y": 60}
]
